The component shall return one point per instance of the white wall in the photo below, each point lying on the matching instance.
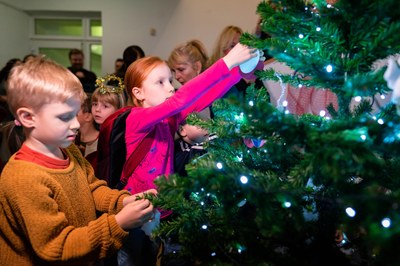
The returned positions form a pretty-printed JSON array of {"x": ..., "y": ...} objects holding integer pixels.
[{"x": 127, "y": 22}]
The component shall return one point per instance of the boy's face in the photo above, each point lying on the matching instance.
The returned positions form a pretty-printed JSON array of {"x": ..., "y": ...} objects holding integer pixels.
[
  {"x": 157, "y": 87},
  {"x": 55, "y": 125}
]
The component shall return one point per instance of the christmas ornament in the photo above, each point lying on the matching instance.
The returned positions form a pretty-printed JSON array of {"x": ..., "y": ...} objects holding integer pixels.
[{"x": 249, "y": 65}]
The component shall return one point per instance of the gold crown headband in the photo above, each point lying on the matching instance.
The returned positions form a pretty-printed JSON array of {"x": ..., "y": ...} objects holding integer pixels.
[{"x": 101, "y": 83}]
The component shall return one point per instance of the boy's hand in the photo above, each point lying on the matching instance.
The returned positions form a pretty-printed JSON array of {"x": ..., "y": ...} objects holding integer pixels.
[
  {"x": 142, "y": 195},
  {"x": 239, "y": 54},
  {"x": 135, "y": 214}
]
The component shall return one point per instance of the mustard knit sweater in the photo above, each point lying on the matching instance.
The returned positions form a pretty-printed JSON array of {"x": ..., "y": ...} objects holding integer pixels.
[{"x": 48, "y": 216}]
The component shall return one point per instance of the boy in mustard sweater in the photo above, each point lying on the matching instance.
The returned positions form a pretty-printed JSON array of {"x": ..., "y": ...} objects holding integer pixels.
[{"x": 49, "y": 195}]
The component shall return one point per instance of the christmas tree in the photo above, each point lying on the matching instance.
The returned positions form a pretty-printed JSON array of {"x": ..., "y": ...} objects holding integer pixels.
[{"x": 277, "y": 188}]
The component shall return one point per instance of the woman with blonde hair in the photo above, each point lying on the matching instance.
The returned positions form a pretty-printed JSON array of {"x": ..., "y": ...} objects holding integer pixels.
[{"x": 227, "y": 39}]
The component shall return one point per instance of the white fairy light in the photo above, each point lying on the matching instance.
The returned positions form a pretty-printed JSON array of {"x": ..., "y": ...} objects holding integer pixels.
[
  {"x": 301, "y": 36},
  {"x": 285, "y": 103},
  {"x": 219, "y": 165},
  {"x": 287, "y": 204},
  {"x": 383, "y": 96},
  {"x": 322, "y": 113},
  {"x": 244, "y": 179},
  {"x": 318, "y": 29},
  {"x": 350, "y": 212},
  {"x": 380, "y": 121},
  {"x": 251, "y": 103},
  {"x": 363, "y": 137},
  {"x": 386, "y": 222},
  {"x": 204, "y": 227},
  {"x": 329, "y": 68},
  {"x": 357, "y": 99}
]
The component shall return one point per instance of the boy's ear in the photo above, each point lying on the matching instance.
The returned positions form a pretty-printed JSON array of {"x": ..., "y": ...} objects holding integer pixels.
[
  {"x": 138, "y": 93},
  {"x": 26, "y": 117}
]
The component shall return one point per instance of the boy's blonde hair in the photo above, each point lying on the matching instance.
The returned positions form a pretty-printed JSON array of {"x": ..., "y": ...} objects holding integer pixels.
[
  {"x": 137, "y": 72},
  {"x": 40, "y": 81},
  {"x": 189, "y": 52}
]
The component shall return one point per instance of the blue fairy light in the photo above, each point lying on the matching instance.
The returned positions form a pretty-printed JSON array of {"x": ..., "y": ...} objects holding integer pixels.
[
  {"x": 386, "y": 222},
  {"x": 350, "y": 212},
  {"x": 244, "y": 179}
]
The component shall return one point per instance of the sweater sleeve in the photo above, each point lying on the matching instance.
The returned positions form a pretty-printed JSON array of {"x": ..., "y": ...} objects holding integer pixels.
[
  {"x": 186, "y": 96},
  {"x": 210, "y": 96}
]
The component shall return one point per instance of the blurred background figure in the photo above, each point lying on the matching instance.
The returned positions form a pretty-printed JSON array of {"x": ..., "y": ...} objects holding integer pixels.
[
  {"x": 87, "y": 77},
  {"x": 119, "y": 62}
]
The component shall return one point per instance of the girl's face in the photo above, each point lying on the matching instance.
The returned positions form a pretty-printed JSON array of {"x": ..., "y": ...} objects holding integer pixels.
[
  {"x": 156, "y": 87},
  {"x": 102, "y": 110},
  {"x": 232, "y": 44}
]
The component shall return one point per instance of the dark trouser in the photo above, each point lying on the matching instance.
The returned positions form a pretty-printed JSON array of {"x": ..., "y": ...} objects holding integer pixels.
[{"x": 138, "y": 250}]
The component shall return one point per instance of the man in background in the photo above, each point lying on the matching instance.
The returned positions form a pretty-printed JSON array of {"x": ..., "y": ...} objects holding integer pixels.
[{"x": 87, "y": 77}]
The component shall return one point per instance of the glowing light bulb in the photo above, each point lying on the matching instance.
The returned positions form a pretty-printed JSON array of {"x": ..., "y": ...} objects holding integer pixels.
[
  {"x": 251, "y": 103},
  {"x": 287, "y": 204},
  {"x": 329, "y": 68},
  {"x": 386, "y": 222},
  {"x": 219, "y": 165},
  {"x": 380, "y": 121},
  {"x": 301, "y": 36},
  {"x": 350, "y": 212},
  {"x": 363, "y": 137},
  {"x": 204, "y": 227},
  {"x": 318, "y": 29},
  {"x": 244, "y": 179}
]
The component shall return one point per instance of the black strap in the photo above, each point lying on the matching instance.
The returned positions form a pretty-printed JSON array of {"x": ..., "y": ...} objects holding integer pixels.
[{"x": 135, "y": 158}]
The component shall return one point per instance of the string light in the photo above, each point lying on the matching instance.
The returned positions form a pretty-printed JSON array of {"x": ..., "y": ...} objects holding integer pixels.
[
  {"x": 329, "y": 68},
  {"x": 357, "y": 98},
  {"x": 322, "y": 113},
  {"x": 219, "y": 165},
  {"x": 251, "y": 103},
  {"x": 380, "y": 121},
  {"x": 287, "y": 204},
  {"x": 386, "y": 222},
  {"x": 285, "y": 103},
  {"x": 244, "y": 179},
  {"x": 350, "y": 212},
  {"x": 204, "y": 227},
  {"x": 318, "y": 29},
  {"x": 363, "y": 137}
]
